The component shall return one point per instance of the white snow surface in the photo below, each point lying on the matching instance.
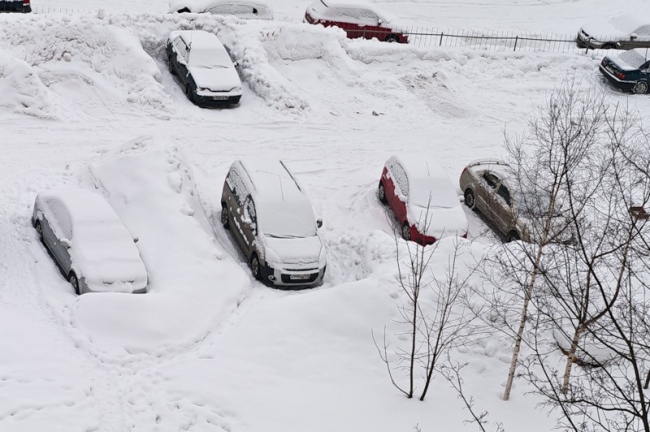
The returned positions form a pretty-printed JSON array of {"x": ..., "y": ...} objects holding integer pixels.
[{"x": 209, "y": 349}]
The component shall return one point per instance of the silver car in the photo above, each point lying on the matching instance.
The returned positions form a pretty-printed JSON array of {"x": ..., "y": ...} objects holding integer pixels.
[
  {"x": 89, "y": 243},
  {"x": 621, "y": 32}
]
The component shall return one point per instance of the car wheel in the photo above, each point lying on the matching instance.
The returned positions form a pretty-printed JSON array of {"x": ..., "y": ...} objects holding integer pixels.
[
  {"x": 74, "y": 282},
  {"x": 255, "y": 267},
  {"x": 392, "y": 38},
  {"x": 470, "y": 200},
  {"x": 39, "y": 230},
  {"x": 608, "y": 46},
  {"x": 381, "y": 193},
  {"x": 512, "y": 236},
  {"x": 224, "y": 216},
  {"x": 171, "y": 67},
  {"x": 640, "y": 88},
  {"x": 406, "y": 231}
]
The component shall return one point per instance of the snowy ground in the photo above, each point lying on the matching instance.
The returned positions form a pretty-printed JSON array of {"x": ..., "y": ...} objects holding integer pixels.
[{"x": 208, "y": 349}]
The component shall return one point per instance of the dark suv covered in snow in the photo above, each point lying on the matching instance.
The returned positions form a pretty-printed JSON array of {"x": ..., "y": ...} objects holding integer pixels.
[
  {"x": 23, "y": 6},
  {"x": 628, "y": 71}
]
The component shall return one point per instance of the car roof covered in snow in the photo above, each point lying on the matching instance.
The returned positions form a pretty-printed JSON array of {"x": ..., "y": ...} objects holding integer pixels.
[
  {"x": 199, "y": 39},
  {"x": 327, "y": 8},
  {"x": 271, "y": 180},
  {"x": 82, "y": 205},
  {"x": 630, "y": 23},
  {"x": 494, "y": 165},
  {"x": 199, "y": 6}
]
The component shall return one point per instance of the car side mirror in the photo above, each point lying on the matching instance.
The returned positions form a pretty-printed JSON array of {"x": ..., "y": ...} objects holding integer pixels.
[
  {"x": 319, "y": 223},
  {"x": 136, "y": 239},
  {"x": 380, "y": 21},
  {"x": 633, "y": 36},
  {"x": 66, "y": 243},
  {"x": 236, "y": 64}
]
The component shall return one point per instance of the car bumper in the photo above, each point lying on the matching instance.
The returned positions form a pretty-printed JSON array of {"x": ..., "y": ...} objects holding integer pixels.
[
  {"x": 288, "y": 278},
  {"x": 216, "y": 101},
  {"x": 587, "y": 42},
  {"x": 616, "y": 82},
  {"x": 19, "y": 8}
]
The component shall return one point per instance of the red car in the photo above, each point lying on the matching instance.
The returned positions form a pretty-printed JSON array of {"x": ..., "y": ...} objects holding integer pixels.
[
  {"x": 423, "y": 199},
  {"x": 357, "y": 20}
]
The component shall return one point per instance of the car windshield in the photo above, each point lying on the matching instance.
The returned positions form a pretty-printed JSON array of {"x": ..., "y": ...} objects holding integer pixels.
[
  {"x": 533, "y": 204},
  {"x": 286, "y": 219},
  {"x": 433, "y": 192},
  {"x": 209, "y": 58}
]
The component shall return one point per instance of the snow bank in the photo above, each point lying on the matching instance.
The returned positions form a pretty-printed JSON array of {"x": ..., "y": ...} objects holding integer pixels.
[
  {"x": 108, "y": 57},
  {"x": 193, "y": 284},
  {"x": 21, "y": 89}
]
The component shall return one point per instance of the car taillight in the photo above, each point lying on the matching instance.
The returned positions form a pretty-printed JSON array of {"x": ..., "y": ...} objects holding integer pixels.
[
  {"x": 464, "y": 236},
  {"x": 25, "y": 2},
  {"x": 464, "y": 169},
  {"x": 620, "y": 75}
]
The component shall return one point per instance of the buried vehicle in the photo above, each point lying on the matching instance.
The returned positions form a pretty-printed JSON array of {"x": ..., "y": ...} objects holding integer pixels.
[
  {"x": 273, "y": 222},
  {"x": 242, "y": 9},
  {"x": 486, "y": 185},
  {"x": 20, "y": 6},
  {"x": 204, "y": 68},
  {"x": 357, "y": 19},
  {"x": 423, "y": 199},
  {"x": 628, "y": 71},
  {"x": 89, "y": 243},
  {"x": 621, "y": 32}
]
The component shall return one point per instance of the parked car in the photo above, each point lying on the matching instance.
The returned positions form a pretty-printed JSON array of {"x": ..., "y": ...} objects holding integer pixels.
[
  {"x": 628, "y": 71},
  {"x": 89, "y": 243},
  {"x": 273, "y": 222},
  {"x": 22, "y": 6},
  {"x": 243, "y": 9},
  {"x": 203, "y": 67},
  {"x": 358, "y": 20},
  {"x": 487, "y": 186},
  {"x": 622, "y": 32},
  {"x": 422, "y": 198}
]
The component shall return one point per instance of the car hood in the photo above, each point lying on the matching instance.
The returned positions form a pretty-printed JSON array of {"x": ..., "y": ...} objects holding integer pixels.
[
  {"x": 218, "y": 79},
  {"x": 297, "y": 252},
  {"x": 443, "y": 221},
  {"x": 115, "y": 269}
]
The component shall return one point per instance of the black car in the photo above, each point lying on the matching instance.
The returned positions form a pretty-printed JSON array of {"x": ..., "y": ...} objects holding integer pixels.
[
  {"x": 628, "y": 71},
  {"x": 21, "y": 6}
]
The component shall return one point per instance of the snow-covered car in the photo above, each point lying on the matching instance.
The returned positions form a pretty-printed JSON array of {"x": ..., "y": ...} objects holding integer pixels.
[
  {"x": 623, "y": 32},
  {"x": 358, "y": 20},
  {"x": 423, "y": 199},
  {"x": 272, "y": 220},
  {"x": 203, "y": 67},
  {"x": 21, "y": 6},
  {"x": 628, "y": 71},
  {"x": 488, "y": 187},
  {"x": 243, "y": 9},
  {"x": 89, "y": 242}
]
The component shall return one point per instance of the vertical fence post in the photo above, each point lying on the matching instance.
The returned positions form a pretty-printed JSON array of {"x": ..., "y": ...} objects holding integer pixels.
[
  {"x": 442, "y": 34},
  {"x": 516, "y": 39}
]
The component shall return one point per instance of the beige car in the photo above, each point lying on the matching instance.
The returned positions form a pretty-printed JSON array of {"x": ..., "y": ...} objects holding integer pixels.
[
  {"x": 273, "y": 222},
  {"x": 487, "y": 187}
]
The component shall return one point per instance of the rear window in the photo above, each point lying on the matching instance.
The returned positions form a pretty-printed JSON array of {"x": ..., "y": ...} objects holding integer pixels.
[{"x": 632, "y": 58}]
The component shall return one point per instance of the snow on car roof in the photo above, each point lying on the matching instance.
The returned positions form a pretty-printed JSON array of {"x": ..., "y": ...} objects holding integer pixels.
[
  {"x": 82, "y": 205},
  {"x": 427, "y": 181},
  {"x": 283, "y": 208},
  {"x": 629, "y": 24},
  {"x": 199, "y": 6},
  {"x": 494, "y": 165},
  {"x": 632, "y": 59},
  {"x": 327, "y": 7}
]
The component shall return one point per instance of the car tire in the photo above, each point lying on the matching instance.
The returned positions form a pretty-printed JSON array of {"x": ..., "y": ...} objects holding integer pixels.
[
  {"x": 406, "y": 231},
  {"x": 74, "y": 281},
  {"x": 608, "y": 46},
  {"x": 39, "y": 229},
  {"x": 225, "y": 221},
  {"x": 512, "y": 236},
  {"x": 470, "y": 199},
  {"x": 392, "y": 38},
  {"x": 256, "y": 268},
  {"x": 640, "y": 87},
  {"x": 381, "y": 193}
]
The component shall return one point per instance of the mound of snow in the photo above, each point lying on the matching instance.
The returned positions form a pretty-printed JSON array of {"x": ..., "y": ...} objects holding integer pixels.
[
  {"x": 193, "y": 284},
  {"x": 21, "y": 89}
]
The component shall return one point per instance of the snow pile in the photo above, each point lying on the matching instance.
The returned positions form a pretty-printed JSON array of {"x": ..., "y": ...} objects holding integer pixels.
[
  {"x": 108, "y": 57},
  {"x": 193, "y": 284},
  {"x": 21, "y": 89}
]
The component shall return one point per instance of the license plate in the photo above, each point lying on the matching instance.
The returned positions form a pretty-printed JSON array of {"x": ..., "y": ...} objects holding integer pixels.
[
  {"x": 610, "y": 69},
  {"x": 299, "y": 276},
  {"x": 220, "y": 97}
]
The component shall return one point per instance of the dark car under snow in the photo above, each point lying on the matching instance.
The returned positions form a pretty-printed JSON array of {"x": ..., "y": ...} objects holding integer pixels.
[
  {"x": 628, "y": 71},
  {"x": 21, "y": 6}
]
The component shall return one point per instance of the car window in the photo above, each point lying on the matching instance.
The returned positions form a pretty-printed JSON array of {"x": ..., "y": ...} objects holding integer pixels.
[
  {"x": 235, "y": 184},
  {"x": 504, "y": 194},
  {"x": 400, "y": 180},
  {"x": 181, "y": 49},
  {"x": 62, "y": 224},
  {"x": 249, "y": 209},
  {"x": 490, "y": 179}
]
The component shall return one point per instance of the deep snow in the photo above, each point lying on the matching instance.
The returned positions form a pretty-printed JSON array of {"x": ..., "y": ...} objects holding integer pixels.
[{"x": 208, "y": 348}]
